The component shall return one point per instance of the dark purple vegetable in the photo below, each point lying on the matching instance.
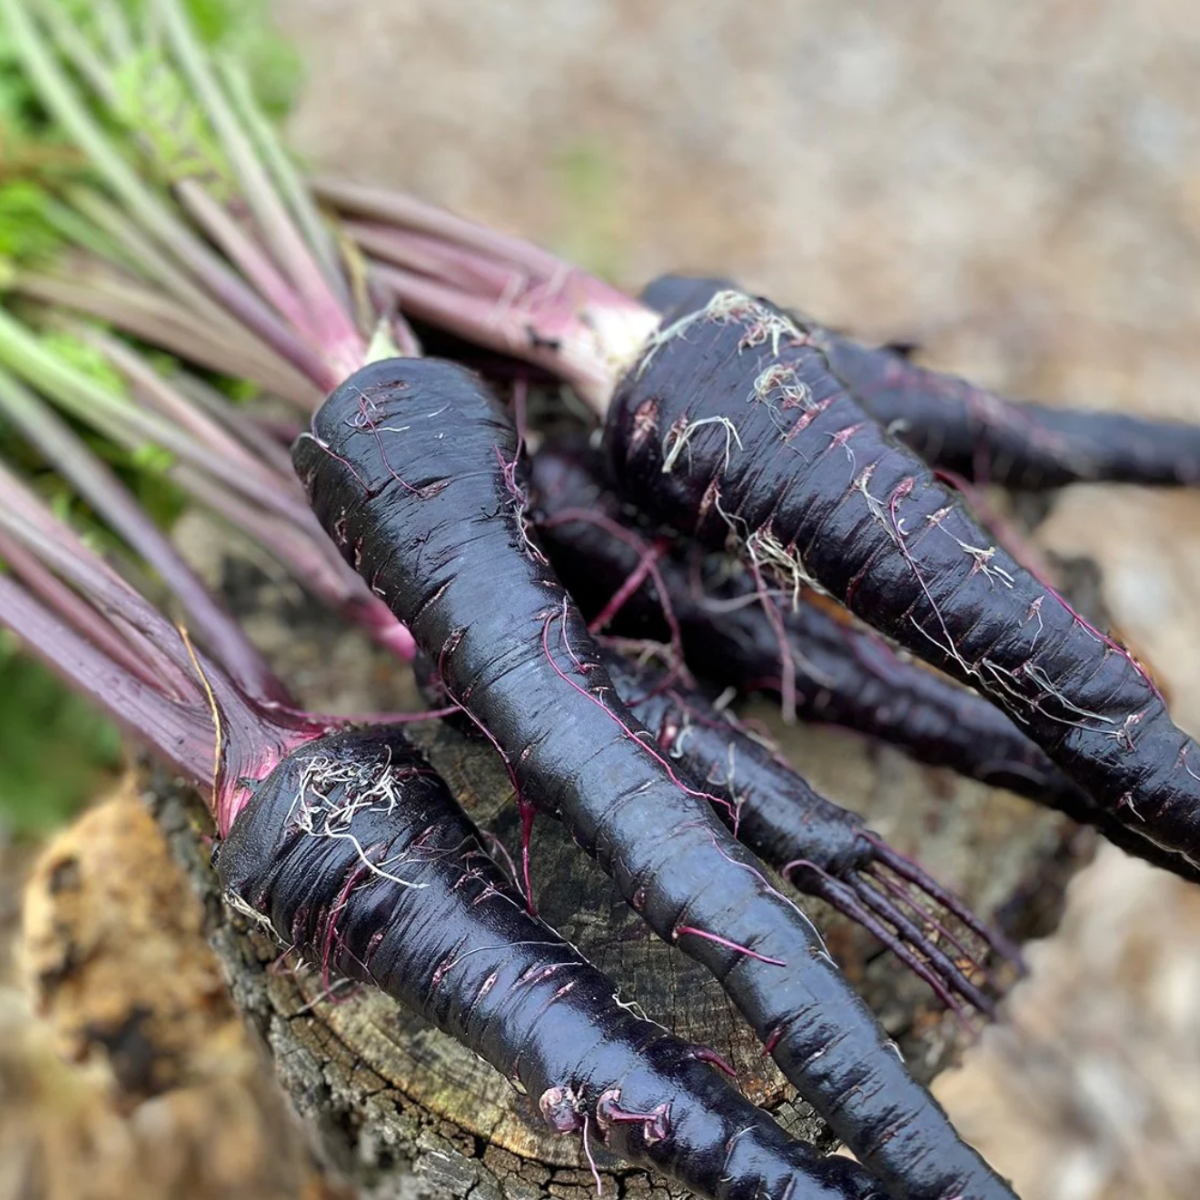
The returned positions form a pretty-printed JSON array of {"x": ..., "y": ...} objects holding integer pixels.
[
  {"x": 958, "y": 427},
  {"x": 412, "y": 468},
  {"x": 355, "y": 851},
  {"x": 731, "y": 426},
  {"x": 844, "y": 674},
  {"x": 350, "y": 846},
  {"x": 823, "y": 849},
  {"x": 728, "y": 424},
  {"x": 984, "y": 437}
]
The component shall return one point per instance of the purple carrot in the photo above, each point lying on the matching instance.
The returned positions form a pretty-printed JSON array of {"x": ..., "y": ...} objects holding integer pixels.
[
  {"x": 412, "y": 468},
  {"x": 844, "y": 673},
  {"x": 811, "y": 488},
  {"x": 727, "y": 423},
  {"x": 822, "y": 848},
  {"x": 826, "y": 851},
  {"x": 351, "y": 849}
]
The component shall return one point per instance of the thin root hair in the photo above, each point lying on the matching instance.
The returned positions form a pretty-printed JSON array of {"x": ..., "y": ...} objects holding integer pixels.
[{"x": 678, "y": 437}]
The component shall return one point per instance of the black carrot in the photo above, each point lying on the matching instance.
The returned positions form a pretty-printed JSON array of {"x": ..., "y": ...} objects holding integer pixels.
[
  {"x": 354, "y": 851},
  {"x": 732, "y": 426},
  {"x": 987, "y": 438},
  {"x": 975, "y": 433},
  {"x": 823, "y": 849},
  {"x": 844, "y": 673},
  {"x": 350, "y": 847},
  {"x": 413, "y": 468},
  {"x": 728, "y": 423}
]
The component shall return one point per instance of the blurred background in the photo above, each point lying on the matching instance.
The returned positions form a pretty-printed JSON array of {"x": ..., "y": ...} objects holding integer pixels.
[{"x": 1016, "y": 188}]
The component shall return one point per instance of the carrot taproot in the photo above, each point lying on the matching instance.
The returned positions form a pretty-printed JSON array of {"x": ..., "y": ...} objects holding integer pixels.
[
  {"x": 349, "y": 846},
  {"x": 844, "y": 673},
  {"x": 728, "y": 424},
  {"x": 412, "y": 468},
  {"x": 731, "y": 426}
]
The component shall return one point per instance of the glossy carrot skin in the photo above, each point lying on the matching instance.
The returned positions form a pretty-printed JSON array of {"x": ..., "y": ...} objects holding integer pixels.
[
  {"x": 987, "y": 438},
  {"x": 822, "y": 849},
  {"x": 360, "y": 858},
  {"x": 975, "y": 433},
  {"x": 733, "y": 428},
  {"x": 412, "y": 469},
  {"x": 845, "y": 674}
]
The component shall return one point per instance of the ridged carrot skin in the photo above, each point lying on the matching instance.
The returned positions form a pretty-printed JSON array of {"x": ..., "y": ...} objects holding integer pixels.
[
  {"x": 845, "y": 674},
  {"x": 975, "y": 433},
  {"x": 732, "y": 427},
  {"x": 412, "y": 468},
  {"x": 357, "y": 854},
  {"x": 821, "y": 848}
]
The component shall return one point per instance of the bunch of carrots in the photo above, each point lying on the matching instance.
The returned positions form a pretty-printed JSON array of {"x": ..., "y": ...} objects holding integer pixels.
[{"x": 758, "y": 505}]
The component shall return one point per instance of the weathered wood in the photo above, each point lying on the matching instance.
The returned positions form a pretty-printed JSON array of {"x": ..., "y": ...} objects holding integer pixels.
[{"x": 400, "y": 1110}]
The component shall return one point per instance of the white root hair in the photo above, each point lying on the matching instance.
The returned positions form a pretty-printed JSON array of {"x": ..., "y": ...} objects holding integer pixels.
[
  {"x": 368, "y": 787},
  {"x": 242, "y": 908},
  {"x": 678, "y": 437},
  {"x": 661, "y": 336},
  {"x": 781, "y": 379},
  {"x": 763, "y": 325},
  {"x": 783, "y": 562}
]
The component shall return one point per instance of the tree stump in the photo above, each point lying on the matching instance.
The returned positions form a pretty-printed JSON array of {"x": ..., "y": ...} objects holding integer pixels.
[{"x": 397, "y": 1109}]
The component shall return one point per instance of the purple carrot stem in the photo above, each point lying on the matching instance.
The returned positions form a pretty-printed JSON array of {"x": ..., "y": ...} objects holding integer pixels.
[{"x": 55, "y": 595}]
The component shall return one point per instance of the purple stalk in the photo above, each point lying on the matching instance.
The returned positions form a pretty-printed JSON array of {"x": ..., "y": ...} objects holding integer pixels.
[
  {"x": 407, "y": 212},
  {"x": 288, "y": 181},
  {"x": 247, "y": 256},
  {"x": 310, "y": 560},
  {"x": 55, "y": 594},
  {"x": 499, "y": 291},
  {"x": 178, "y": 732},
  {"x": 148, "y": 382},
  {"x": 110, "y": 498},
  {"x": 152, "y": 262},
  {"x": 561, "y": 344},
  {"x": 232, "y": 475},
  {"x": 214, "y": 734},
  {"x": 270, "y": 449},
  {"x": 339, "y": 339},
  {"x": 159, "y": 322},
  {"x": 128, "y": 423},
  {"x": 20, "y": 505}
]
